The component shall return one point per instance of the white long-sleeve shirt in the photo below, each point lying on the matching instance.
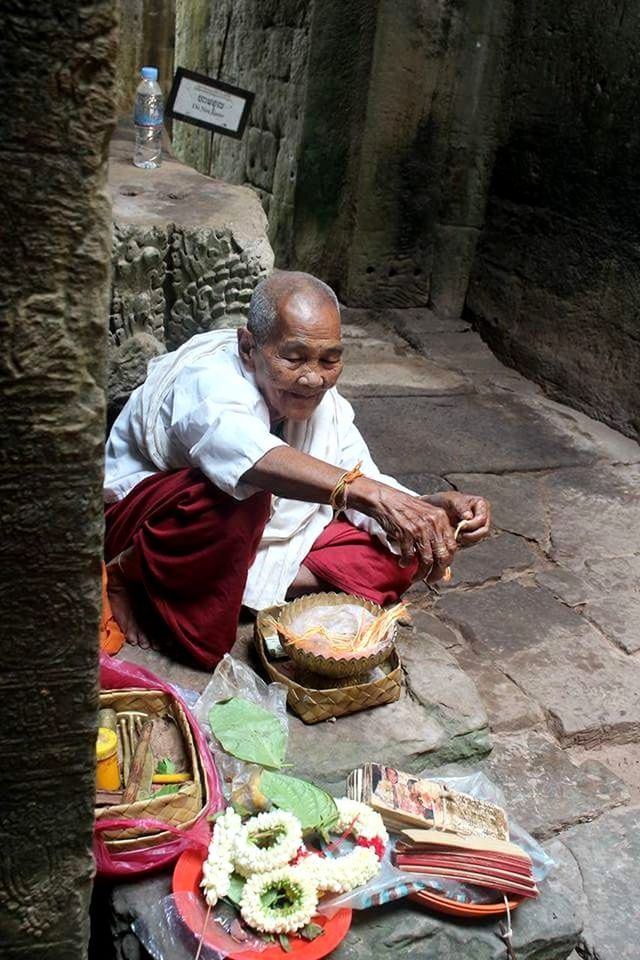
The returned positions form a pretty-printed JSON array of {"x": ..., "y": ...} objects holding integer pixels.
[{"x": 211, "y": 415}]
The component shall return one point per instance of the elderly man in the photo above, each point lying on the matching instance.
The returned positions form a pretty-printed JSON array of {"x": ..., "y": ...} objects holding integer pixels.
[{"x": 235, "y": 474}]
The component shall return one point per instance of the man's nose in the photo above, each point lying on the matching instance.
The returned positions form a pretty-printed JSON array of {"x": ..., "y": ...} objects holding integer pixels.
[{"x": 311, "y": 377}]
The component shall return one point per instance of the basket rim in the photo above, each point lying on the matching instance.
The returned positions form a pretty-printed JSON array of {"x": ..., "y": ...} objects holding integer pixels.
[{"x": 330, "y": 665}]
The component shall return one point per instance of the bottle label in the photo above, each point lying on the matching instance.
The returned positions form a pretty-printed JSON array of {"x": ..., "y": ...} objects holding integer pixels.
[{"x": 149, "y": 111}]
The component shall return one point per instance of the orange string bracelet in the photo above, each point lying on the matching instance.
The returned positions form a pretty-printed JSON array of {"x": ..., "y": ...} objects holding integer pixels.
[{"x": 338, "y": 496}]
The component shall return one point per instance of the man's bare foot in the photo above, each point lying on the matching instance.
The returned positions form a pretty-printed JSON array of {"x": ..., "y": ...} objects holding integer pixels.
[
  {"x": 121, "y": 606},
  {"x": 306, "y": 582}
]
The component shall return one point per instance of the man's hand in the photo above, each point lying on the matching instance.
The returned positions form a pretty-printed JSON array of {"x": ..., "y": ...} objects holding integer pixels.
[
  {"x": 422, "y": 530},
  {"x": 476, "y": 511}
]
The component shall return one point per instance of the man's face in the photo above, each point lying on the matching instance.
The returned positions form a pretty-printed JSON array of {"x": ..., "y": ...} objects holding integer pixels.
[{"x": 301, "y": 361}]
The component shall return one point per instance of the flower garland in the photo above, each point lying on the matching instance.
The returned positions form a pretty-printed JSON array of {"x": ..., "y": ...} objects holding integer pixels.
[
  {"x": 266, "y": 842},
  {"x": 281, "y": 898},
  {"x": 218, "y": 867},
  {"x": 281, "y": 901}
]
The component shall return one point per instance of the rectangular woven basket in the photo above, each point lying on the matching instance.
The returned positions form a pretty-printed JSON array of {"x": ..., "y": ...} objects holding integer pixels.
[
  {"x": 178, "y": 809},
  {"x": 313, "y": 705}
]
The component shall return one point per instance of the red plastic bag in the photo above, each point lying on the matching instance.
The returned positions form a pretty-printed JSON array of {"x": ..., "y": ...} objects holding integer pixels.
[{"x": 116, "y": 675}]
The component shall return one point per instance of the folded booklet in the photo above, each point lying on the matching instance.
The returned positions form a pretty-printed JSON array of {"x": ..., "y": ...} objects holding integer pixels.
[
  {"x": 481, "y": 861},
  {"x": 404, "y": 800}
]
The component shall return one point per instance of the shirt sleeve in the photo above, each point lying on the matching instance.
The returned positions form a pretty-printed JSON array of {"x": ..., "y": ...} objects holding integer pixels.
[{"x": 222, "y": 436}]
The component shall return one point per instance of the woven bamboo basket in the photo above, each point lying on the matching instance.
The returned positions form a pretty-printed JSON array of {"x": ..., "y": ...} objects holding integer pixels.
[
  {"x": 179, "y": 809},
  {"x": 347, "y": 666},
  {"x": 314, "y": 705}
]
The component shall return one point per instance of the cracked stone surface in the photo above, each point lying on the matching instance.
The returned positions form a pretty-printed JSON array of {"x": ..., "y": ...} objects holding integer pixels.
[
  {"x": 589, "y": 691},
  {"x": 463, "y": 433},
  {"x": 546, "y": 792},
  {"x": 509, "y": 617},
  {"x": 608, "y": 855},
  {"x": 619, "y": 618},
  {"x": 491, "y": 560},
  {"x": 518, "y": 501}
]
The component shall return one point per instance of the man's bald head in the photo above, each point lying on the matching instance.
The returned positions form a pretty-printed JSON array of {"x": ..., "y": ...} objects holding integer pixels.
[{"x": 286, "y": 288}]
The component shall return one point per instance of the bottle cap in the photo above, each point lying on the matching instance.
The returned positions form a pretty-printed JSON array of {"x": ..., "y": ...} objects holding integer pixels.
[
  {"x": 149, "y": 73},
  {"x": 106, "y": 743}
]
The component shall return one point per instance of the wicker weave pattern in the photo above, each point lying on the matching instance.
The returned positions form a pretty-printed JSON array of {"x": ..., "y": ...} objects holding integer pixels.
[
  {"x": 312, "y": 705},
  {"x": 179, "y": 809}
]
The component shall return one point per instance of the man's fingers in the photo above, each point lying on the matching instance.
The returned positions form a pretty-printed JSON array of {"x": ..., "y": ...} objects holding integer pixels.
[{"x": 473, "y": 536}]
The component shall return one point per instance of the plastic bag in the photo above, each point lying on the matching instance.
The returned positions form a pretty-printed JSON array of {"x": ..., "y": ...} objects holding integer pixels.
[
  {"x": 116, "y": 675},
  {"x": 166, "y": 936},
  {"x": 390, "y": 883},
  {"x": 234, "y": 679}
]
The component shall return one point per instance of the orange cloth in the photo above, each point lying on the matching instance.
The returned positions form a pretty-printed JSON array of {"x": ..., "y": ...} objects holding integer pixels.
[{"x": 111, "y": 636}]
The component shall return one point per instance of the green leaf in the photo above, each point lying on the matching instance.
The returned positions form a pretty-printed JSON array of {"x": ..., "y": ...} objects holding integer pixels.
[
  {"x": 311, "y": 931},
  {"x": 166, "y": 790},
  {"x": 249, "y": 732},
  {"x": 236, "y": 886},
  {"x": 166, "y": 765},
  {"x": 284, "y": 942},
  {"x": 313, "y": 807}
]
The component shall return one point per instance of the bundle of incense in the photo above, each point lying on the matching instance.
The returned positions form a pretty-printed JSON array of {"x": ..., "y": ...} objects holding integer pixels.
[
  {"x": 405, "y": 800},
  {"x": 481, "y": 861}
]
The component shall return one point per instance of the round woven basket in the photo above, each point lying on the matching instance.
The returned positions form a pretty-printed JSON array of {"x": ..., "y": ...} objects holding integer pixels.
[{"x": 348, "y": 666}]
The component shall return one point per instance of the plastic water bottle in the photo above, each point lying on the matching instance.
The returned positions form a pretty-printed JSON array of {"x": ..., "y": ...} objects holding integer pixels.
[{"x": 148, "y": 116}]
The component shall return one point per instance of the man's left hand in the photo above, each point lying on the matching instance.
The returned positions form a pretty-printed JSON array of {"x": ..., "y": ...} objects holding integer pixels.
[{"x": 464, "y": 506}]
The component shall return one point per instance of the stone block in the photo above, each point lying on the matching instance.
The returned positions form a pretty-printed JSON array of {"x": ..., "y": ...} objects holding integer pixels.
[
  {"x": 187, "y": 253},
  {"x": 509, "y": 709},
  {"x": 507, "y": 617},
  {"x": 589, "y": 691},
  {"x": 607, "y": 853},
  {"x": 491, "y": 559},
  {"x": 461, "y": 434},
  {"x": 545, "y": 792},
  {"x": 376, "y": 367},
  {"x": 618, "y": 618},
  {"x": 608, "y": 495}
]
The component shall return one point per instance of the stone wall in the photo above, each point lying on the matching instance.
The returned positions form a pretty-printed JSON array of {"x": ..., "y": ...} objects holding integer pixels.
[
  {"x": 56, "y": 114},
  {"x": 556, "y": 283},
  {"x": 400, "y": 130},
  {"x": 266, "y": 52}
]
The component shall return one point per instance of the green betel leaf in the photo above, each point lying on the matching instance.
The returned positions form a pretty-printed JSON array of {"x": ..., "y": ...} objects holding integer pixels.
[
  {"x": 311, "y": 931},
  {"x": 249, "y": 732},
  {"x": 236, "y": 886},
  {"x": 313, "y": 807},
  {"x": 284, "y": 942},
  {"x": 166, "y": 790}
]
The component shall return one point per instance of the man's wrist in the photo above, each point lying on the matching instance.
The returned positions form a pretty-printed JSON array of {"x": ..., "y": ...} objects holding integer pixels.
[{"x": 363, "y": 495}]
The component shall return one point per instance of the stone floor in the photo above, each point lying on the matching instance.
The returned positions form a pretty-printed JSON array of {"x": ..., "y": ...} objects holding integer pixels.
[{"x": 526, "y": 666}]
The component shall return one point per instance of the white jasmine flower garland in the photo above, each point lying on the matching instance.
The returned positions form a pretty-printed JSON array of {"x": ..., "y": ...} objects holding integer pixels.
[
  {"x": 218, "y": 867},
  {"x": 266, "y": 842},
  {"x": 281, "y": 901},
  {"x": 278, "y": 898}
]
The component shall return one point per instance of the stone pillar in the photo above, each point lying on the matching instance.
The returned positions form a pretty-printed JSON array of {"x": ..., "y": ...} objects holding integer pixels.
[
  {"x": 402, "y": 106},
  {"x": 57, "y": 64}
]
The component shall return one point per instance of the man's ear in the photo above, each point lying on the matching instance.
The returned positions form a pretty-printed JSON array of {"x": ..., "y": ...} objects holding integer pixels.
[{"x": 246, "y": 347}]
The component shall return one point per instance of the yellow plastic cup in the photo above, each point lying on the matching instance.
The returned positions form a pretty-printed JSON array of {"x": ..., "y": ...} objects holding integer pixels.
[{"x": 107, "y": 770}]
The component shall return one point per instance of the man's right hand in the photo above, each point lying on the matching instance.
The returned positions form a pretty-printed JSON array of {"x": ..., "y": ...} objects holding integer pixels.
[{"x": 421, "y": 531}]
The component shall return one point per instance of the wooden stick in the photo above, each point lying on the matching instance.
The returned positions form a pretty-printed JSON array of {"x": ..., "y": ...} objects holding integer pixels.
[
  {"x": 138, "y": 763},
  {"x": 202, "y": 933}
]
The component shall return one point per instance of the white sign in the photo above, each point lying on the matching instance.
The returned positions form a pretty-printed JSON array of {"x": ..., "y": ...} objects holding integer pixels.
[{"x": 209, "y": 103}]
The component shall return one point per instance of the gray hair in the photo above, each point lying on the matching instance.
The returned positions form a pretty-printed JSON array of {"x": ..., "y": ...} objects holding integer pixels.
[{"x": 263, "y": 308}]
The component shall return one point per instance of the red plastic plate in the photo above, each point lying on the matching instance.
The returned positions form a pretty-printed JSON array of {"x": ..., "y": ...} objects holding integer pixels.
[{"x": 186, "y": 879}]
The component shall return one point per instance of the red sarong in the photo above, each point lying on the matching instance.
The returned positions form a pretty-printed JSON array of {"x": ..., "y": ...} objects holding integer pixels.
[
  {"x": 356, "y": 562},
  {"x": 195, "y": 545}
]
